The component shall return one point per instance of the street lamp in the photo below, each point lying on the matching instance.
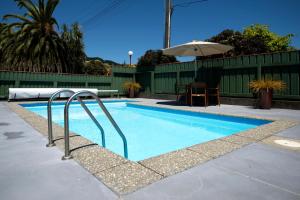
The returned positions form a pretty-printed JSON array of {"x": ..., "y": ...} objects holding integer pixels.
[{"x": 130, "y": 53}]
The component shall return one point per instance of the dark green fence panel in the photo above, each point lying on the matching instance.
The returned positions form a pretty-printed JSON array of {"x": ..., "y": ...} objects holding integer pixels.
[
  {"x": 145, "y": 80},
  {"x": 186, "y": 77},
  {"x": 121, "y": 75},
  {"x": 36, "y": 84},
  {"x": 294, "y": 81},
  {"x": 47, "y": 80},
  {"x": 165, "y": 82},
  {"x": 4, "y": 85},
  {"x": 234, "y": 74},
  {"x": 119, "y": 79},
  {"x": 290, "y": 74},
  {"x": 102, "y": 86},
  {"x": 71, "y": 84}
]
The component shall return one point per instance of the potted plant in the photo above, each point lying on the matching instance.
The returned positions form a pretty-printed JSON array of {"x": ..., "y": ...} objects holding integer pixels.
[
  {"x": 264, "y": 90},
  {"x": 132, "y": 88}
]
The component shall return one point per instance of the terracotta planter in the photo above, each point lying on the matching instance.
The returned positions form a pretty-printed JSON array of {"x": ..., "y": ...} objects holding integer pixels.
[
  {"x": 131, "y": 93},
  {"x": 265, "y": 98}
]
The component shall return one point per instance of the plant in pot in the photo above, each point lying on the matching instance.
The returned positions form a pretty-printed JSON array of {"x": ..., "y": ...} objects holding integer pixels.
[
  {"x": 132, "y": 88},
  {"x": 264, "y": 90}
]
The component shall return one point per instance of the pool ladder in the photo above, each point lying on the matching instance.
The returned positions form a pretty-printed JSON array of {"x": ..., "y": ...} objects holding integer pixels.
[{"x": 66, "y": 119}]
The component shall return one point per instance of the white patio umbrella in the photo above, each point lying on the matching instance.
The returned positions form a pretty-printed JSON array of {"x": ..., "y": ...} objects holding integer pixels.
[{"x": 197, "y": 48}]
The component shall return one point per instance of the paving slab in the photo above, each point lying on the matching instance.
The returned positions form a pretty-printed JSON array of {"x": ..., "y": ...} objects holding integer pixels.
[
  {"x": 248, "y": 173},
  {"x": 272, "y": 165},
  {"x": 293, "y": 133},
  {"x": 29, "y": 170},
  {"x": 208, "y": 181}
]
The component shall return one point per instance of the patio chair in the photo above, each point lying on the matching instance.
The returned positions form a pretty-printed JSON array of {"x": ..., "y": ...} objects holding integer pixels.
[
  {"x": 197, "y": 89},
  {"x": 214, "y": 92}
]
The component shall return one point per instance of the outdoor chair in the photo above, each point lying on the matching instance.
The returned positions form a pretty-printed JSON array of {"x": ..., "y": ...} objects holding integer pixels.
[
  {"x": 197, "y": 89},
  {"x": 214, "y": 92}
]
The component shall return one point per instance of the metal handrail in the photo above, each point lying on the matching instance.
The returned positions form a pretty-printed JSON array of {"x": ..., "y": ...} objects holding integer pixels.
[
  {"x": 49, "y": 111},
  {"x": 87, "y": 110},
  {"x": 50, "y": 133},
  {"x": 100, "y": 103}
]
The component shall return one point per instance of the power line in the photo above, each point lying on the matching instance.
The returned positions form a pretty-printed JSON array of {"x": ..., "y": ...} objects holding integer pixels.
[
  {"x": 87, "y": 10},
  {"x": 187, "y": 4},
  {"x": 100, "y": 13},
  {"x": 95, "y": 18}
]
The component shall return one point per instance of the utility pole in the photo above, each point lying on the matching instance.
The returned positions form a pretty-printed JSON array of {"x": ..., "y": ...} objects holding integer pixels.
[
  {"x": 168, "y": 24},
  {"x": 169, "y": 11}
]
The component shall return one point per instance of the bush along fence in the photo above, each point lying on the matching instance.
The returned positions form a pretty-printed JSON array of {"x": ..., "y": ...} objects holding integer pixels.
[
  {"x": 231, "y": 74},
  {"x": 47, "y": 80}
]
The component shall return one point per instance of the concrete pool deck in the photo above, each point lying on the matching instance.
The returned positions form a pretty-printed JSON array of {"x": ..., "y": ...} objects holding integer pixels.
[{"x": 246, "y": 173}]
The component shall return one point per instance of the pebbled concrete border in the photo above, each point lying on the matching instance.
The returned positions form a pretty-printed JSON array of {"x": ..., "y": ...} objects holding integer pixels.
[{"x": 124, "y": 176}]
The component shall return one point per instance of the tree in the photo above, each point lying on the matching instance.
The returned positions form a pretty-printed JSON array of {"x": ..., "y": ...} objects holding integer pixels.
[
  {"x": 32, "y": 43},
  {"x": 155, "y": 57},
  {"x": 7, "y": 40},
  {"x": 3, "y": 34},
  {"x": 254, "y": 39},
  {"x": 74, "y": 47},
  {"x": 259, "y": 39},
  {"x": 96, "y": 67},
  {"x": 230, "y": 37}
]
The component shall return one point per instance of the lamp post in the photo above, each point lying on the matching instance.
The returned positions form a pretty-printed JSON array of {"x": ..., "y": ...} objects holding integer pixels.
[{"x": 130, "y": 53}]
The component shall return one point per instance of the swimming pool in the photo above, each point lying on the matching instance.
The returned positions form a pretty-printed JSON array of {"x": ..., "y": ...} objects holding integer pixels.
[{"x": 150, "y": 131}]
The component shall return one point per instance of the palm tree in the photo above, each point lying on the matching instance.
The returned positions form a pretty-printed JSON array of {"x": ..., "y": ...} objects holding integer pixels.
[
  {"x": 33, "y": 44},
  {"x": 75, "y": 48},
  {"x": 6, "y": 40}
]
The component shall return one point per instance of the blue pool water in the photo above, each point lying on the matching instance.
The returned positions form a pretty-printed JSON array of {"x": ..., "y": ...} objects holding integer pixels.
[{"x": 149, "y": 131}]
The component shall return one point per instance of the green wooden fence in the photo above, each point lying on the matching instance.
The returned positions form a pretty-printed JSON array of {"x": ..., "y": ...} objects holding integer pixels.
[
  {"x": 232, "y": 74},
  {"x": 47, "y": 80}
]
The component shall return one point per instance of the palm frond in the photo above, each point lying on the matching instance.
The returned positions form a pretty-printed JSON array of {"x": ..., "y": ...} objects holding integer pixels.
[
  {"x": 29, "y": 5},
  {"x": 20, "y": 17}
]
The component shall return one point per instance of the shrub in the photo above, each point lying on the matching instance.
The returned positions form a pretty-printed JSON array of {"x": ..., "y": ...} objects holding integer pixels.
[
  {"x": 258, "y": 85},
  {"x": 131, "y": 85}
]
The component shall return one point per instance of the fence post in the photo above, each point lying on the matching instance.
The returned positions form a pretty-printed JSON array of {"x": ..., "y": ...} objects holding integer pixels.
[
  {"x": 112, "y": 82},
  {"x": 177, "y": 77},
  {"x": 258, "y": 75},
  {"x": 152, "y": 83}
]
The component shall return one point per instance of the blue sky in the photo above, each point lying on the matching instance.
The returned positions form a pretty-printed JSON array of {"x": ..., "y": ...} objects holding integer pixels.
[{"x": 113, "y": 27}]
